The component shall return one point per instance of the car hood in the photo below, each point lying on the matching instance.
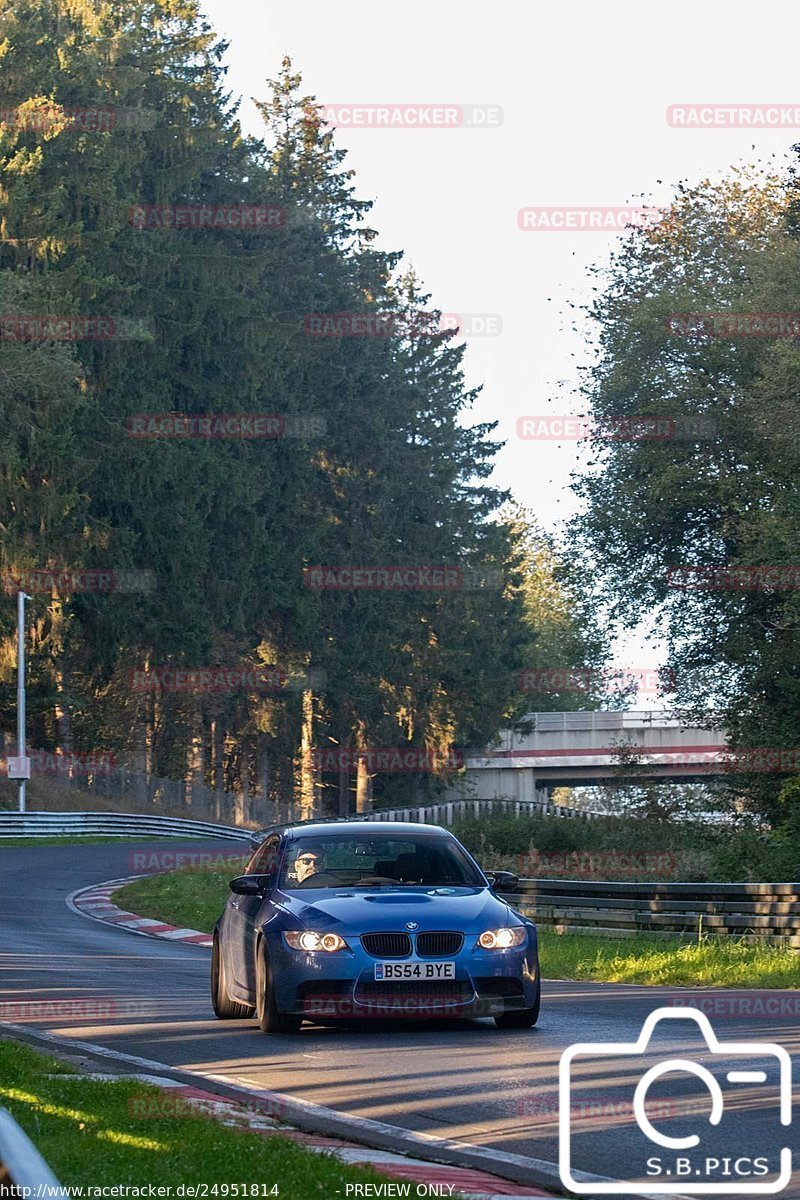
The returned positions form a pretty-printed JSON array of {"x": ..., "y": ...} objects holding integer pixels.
[{"x": 390, "y": 908}]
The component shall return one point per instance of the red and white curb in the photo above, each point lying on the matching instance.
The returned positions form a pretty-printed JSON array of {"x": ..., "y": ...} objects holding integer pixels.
[
  {"x": 425, "y": 1178},
  {"x": 424, "y": 1164},
  {"x": 95, "y": 902}
]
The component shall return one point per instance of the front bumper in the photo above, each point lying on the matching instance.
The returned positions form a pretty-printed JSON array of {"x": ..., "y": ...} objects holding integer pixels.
[{"x": 320, "y": 986}]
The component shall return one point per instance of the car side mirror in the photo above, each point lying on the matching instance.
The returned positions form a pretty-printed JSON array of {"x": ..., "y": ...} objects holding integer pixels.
[
  {"x": 503, "y": 881},
  {"x": 250, "y": 885}
]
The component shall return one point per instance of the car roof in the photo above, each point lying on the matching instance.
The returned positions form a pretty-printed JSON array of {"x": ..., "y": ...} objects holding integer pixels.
[
  {"x": 301, "y": 829},
  {"x": 372, "y": 827}
]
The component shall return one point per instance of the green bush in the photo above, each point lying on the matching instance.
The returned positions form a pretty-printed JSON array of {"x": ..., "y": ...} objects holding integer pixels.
[{"x": 678, "y": 851}]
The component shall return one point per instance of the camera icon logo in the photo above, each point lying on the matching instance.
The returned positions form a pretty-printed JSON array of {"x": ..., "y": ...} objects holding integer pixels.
[{"x": 727, "y": 1164}]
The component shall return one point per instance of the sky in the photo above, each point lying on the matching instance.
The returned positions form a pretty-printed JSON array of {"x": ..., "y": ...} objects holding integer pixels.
[{"x": 574, "y": 99}]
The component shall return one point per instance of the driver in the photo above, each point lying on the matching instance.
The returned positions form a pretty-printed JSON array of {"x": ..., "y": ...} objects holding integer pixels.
[{"x": 307, "y": 862}]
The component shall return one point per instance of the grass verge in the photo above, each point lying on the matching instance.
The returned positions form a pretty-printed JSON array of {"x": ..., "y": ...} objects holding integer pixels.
[
  {"x": 194, "y": 898},
  {"x": 106, "y": 1134},
  {"x": 705, "y": 962}
]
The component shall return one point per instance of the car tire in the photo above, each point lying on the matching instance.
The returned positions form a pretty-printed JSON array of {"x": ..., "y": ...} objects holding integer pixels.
[
  {"x": 225, "y": 1009},
  {"x": 267, "y": 1015},
  {"x": 523, "y": 1018}
]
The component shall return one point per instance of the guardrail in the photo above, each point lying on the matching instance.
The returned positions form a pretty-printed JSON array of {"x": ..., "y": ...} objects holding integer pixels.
[
  {"x": 84, "y": 824},
  {"x": 753, "y": 911},
  {"x": 23, "y": 1171}
]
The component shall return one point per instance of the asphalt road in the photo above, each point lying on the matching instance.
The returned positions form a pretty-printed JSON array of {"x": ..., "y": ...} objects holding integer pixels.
[{"x": 66, "y": 974}]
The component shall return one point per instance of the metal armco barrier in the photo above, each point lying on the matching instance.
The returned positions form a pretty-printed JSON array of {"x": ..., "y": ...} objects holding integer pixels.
[
  {"x": 21, "y": 1164},
  {"x": 71, "y": 824},
  {"x": 754, "y": 911}
]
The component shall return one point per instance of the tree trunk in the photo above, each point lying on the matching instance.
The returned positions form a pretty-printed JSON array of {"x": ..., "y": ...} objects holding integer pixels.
[
  {"x": 363, "y": 787},
  {"x": 218, "y": 765},
  {"x": 307, "y": 769},
  {"x": 195, "y": 761},
  {"x": 266, "y": 806},
  {"x": 142, "y": 747},
  {"x": 63, "y": 716},
  {"x": 243, "y": 796}
]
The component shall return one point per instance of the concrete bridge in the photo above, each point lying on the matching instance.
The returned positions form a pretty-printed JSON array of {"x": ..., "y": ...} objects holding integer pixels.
[{"x": 573, "y": 749}]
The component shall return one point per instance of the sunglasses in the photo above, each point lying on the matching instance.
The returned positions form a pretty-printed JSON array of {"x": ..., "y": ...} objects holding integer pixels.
[{"x": 308, "y": 858}]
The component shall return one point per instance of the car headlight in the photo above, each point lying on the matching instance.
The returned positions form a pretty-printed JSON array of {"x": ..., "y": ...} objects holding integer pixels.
[
  {"x": 502, "y": 939},
  {"x": 307, "y": 939}
]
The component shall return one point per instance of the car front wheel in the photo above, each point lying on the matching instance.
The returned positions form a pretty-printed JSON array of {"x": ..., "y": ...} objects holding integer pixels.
[
  {"x": 225, "y": 1009},
  {"x": 523, "y": 1018},
  {"x": 267, "y": 1015}
]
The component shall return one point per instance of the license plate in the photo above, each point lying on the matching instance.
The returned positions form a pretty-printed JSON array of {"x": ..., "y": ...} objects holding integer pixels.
[{"x": 415, "y": 970}]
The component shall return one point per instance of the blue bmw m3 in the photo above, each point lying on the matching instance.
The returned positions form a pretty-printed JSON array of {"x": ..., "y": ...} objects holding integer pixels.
[{"x": 354, "y": 919}]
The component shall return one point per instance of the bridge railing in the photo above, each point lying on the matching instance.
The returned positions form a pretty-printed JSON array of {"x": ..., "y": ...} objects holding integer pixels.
[
  {"x": 450, "y": 811},
  {"x": 23, "y": 1171},
  {"x": 605, "y": 719},
  {"x": 751, "y": 911}
]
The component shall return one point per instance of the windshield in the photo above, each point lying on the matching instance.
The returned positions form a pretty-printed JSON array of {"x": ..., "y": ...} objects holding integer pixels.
[{"x": 362, "y": 861}]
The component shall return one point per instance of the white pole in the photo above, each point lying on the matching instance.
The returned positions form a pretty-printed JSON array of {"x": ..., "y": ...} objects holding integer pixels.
[{"x": 21, "y": 598}]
